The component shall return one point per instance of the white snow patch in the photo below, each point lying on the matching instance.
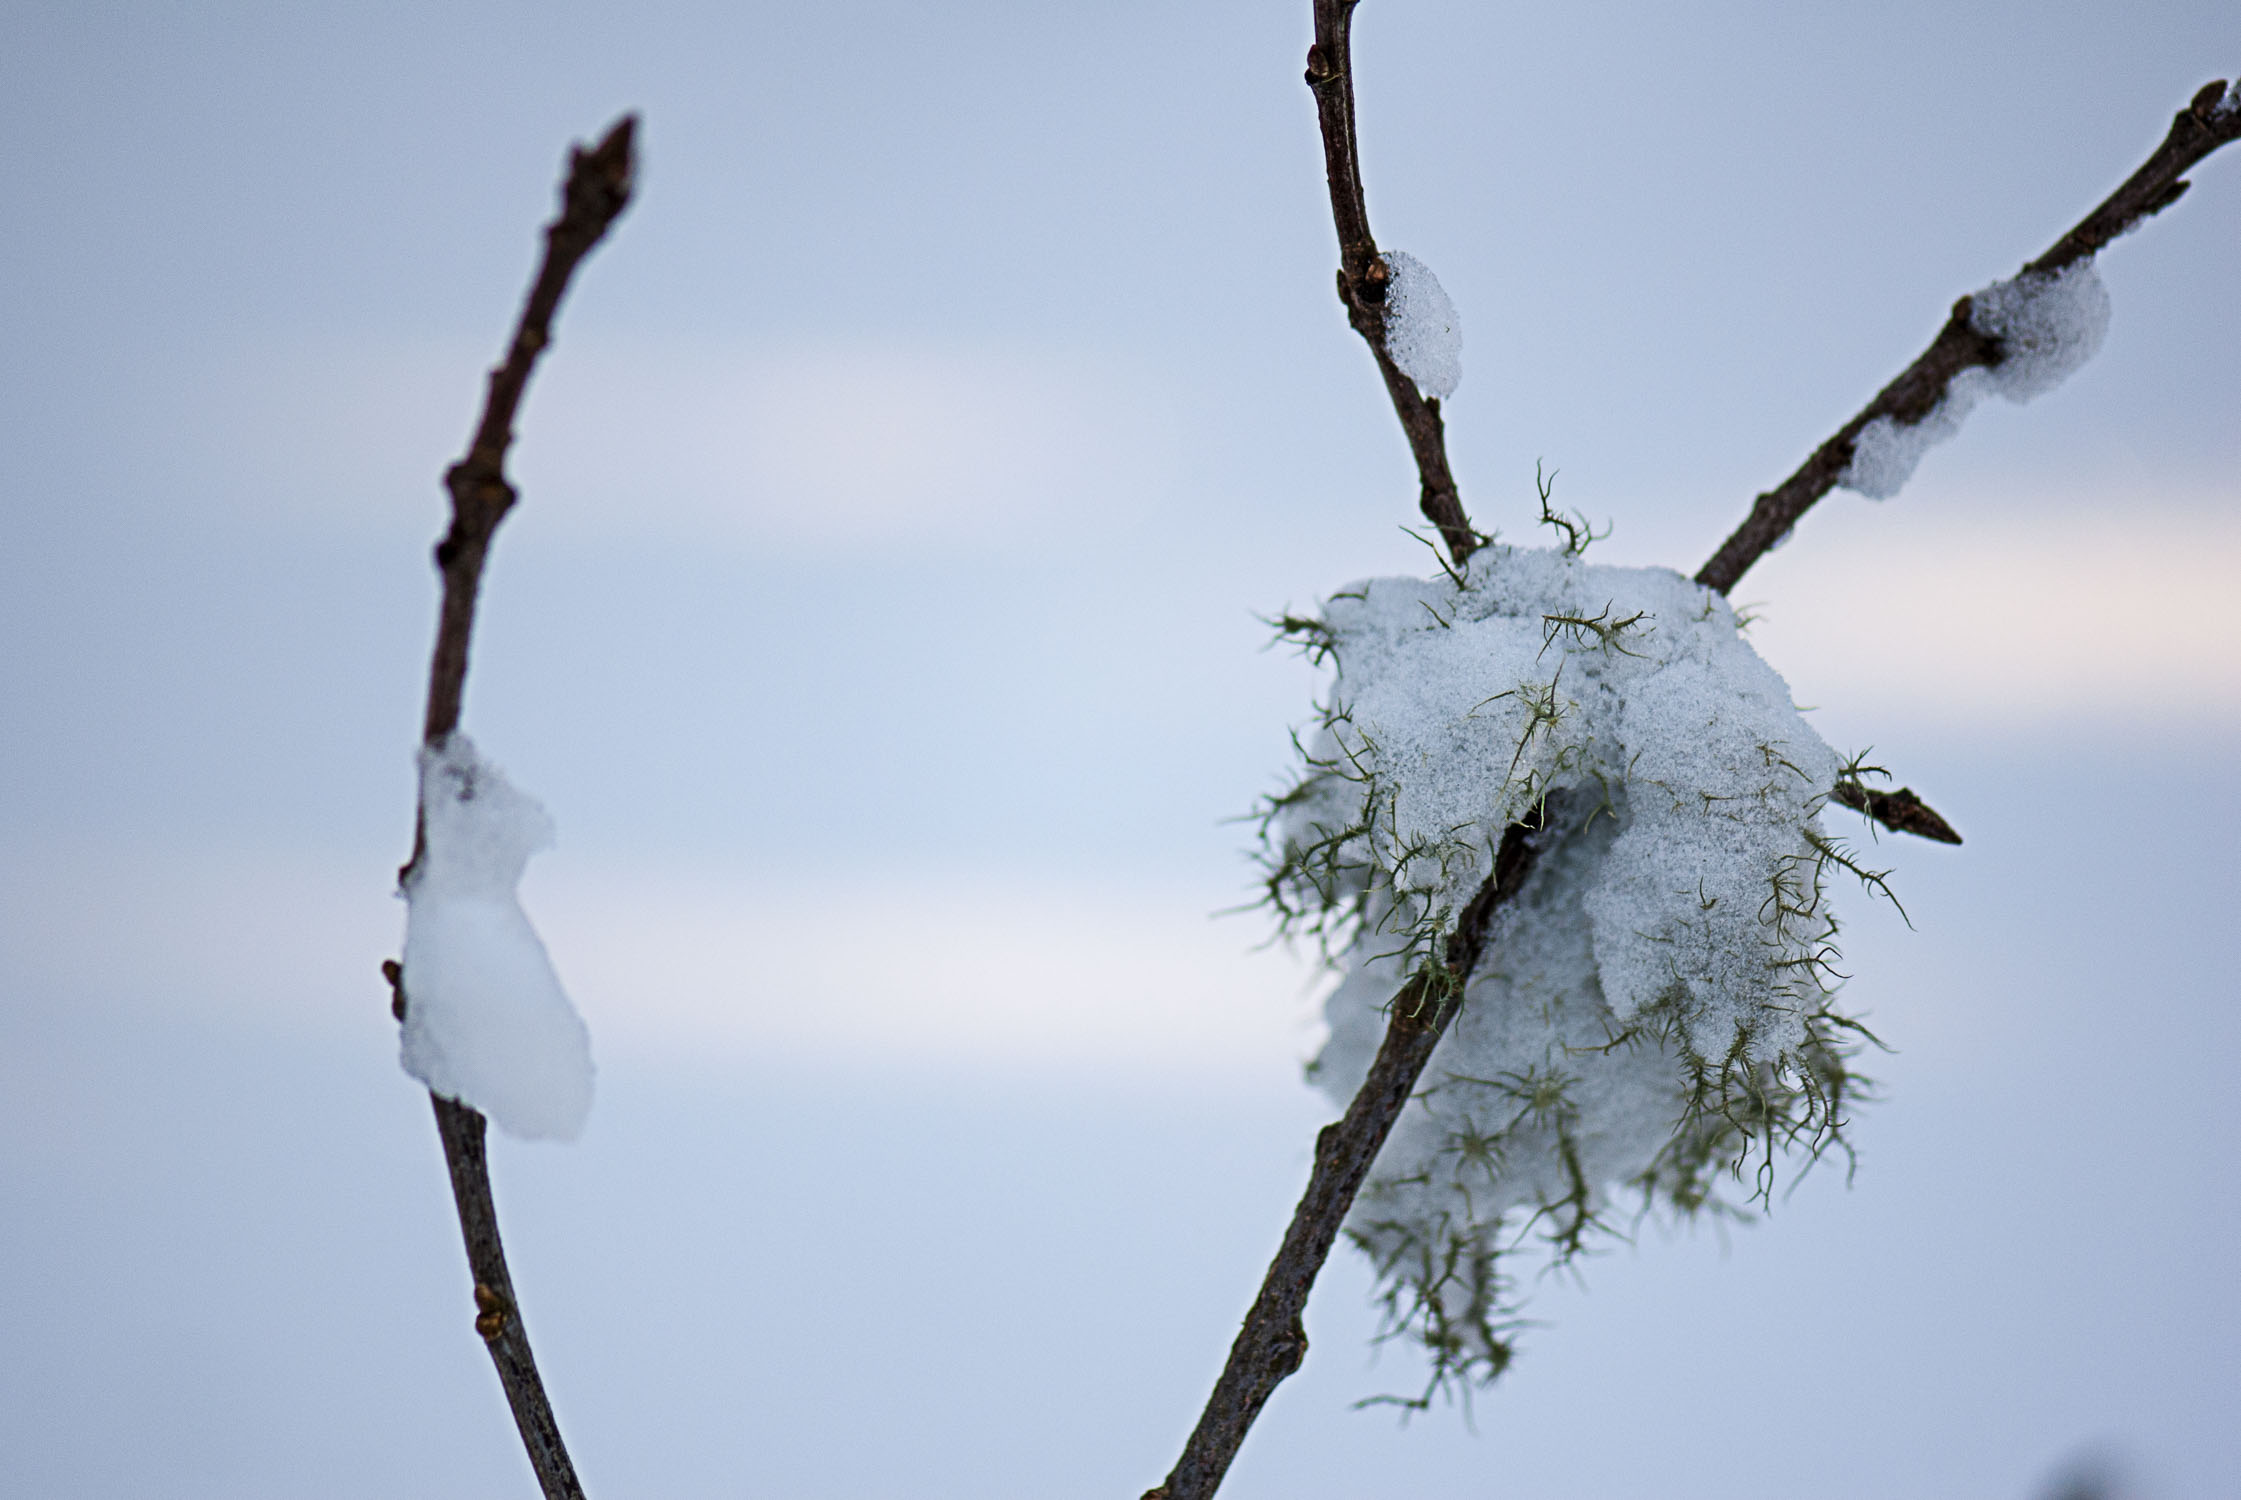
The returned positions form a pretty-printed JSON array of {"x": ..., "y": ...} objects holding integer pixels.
[
  {"x": 486, "y": 1021},
  {"x": 2048, "y": 325},
  {"x": 1423, "y": 334},
  {"x": 1671, "y": 932},
  {"x": 1885, "y": 454}
]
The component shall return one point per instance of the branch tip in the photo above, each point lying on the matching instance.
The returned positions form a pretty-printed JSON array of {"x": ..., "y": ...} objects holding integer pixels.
[{"x": 1900, "y": 811}]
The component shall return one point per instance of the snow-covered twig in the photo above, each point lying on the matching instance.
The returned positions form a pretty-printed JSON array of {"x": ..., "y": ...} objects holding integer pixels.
[
  {"x": 1364, "y": 276},
  {"x": 1965, "y": 343},
  {"x": 593, "y": 197}
]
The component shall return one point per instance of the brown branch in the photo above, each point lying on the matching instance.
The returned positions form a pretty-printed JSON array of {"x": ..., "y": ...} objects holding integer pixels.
[
  {"x": 497, "y": 1314},
  {"x": 2196, "y": 131},
  {"x": 1900, "y": 811},
  {"x": 595, "y": 193},
  {"x": 1363, "y": 276},
  {"x": 1273, "y": 1342}
]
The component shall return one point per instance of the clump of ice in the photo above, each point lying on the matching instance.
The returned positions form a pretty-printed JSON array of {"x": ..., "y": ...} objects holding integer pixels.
[
  {"x": 1423, "y": 334},
  {"x": 2231, "y": 102},
  {"x": 2047, "y": 325},
  {"x": 1654, "y": 1002},
  {"x": 486, "y": 1021},
  {"x": 1886, "y": 453}
]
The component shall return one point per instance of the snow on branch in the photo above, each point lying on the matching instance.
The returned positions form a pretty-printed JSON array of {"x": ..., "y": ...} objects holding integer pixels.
[
  {"x": 2016, "y": 338},
  {"x": 489, "y": 1025},
  {"x": 1655, "y": 1011},
  {"x": 2046, "y": 325},
  {"x": 1423, "y": 332},
  {"x": 517, "y": 1047},
  {"x": 1417, "y": 342}
]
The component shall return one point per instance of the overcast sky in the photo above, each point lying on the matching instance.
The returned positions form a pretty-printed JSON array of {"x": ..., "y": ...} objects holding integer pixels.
[{"x": 881, "y": 625}]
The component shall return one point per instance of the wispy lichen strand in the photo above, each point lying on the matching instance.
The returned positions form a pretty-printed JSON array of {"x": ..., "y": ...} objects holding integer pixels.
[{"x": 1654, "y": 1013}]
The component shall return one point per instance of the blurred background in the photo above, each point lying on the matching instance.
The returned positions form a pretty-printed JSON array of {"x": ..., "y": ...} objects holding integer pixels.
[{"x": 879, "y": 624}]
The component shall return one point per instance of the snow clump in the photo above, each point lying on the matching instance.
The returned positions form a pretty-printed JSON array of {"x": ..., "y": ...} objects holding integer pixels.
[
  {"x": 1423, "y": 333},
  {"x": 486, "y": 1021},
  {"x": 1653, "y": 1006},
  {"x": 2048, "y": 326}
]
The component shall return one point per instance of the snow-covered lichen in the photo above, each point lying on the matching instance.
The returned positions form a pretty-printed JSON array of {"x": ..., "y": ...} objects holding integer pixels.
[
  {"x": 2048, "y": 326},
  {"x": 1653, "y": 1008},
  {"x": 486, "y": 1021},
  {"x": 1423, "y": 332}
]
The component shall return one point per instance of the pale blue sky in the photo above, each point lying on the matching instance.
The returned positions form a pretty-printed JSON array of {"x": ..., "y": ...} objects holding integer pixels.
[{"x": 879, "y": 625}]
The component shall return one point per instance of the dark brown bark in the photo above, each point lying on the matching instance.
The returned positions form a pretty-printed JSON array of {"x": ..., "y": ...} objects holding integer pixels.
[
  {"x": 594, "y": 195},
  {"x": 1900, "y": 811},
  {"x": 1273, "y": 1342},
  {"x": 2196, "y": 131},
  {"x": 1363, "y": 277},
  {"x": 497, "y": 1314}
]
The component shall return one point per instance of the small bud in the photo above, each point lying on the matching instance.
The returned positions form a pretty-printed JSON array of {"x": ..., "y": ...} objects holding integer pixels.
[{"x": 493, "y": 1308}]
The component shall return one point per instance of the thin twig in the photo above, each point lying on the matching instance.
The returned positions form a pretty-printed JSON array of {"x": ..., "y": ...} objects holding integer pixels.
[
  {"x": 1900, "y": 811},
  {"x": 497, "y": 1314},
  {"x": 595, "y": 193},
  {"x": 2199, "y": 129},
  {"x": 1273, "y": 1342},
  {"x": 1363, "y": 276}
]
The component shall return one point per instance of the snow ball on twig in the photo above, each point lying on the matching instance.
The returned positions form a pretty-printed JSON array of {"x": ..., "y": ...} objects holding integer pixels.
[
  {"x": 1886, "y": 453},
  {"x": 486, "y": 1021},
  {"x": 1423, "y": 334},
  {"x": 2048, "y": 325}
]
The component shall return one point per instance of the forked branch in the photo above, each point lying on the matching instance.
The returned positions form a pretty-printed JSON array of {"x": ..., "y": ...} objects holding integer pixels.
[
  {"x": 593, "y": 197},
  {"x": 1363, "y": 276},
  {"x": 2209, "y": 121}
]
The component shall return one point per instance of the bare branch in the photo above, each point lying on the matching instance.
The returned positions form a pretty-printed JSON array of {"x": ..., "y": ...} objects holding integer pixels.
[
  {"x": 1273, "y": 1342},
  {"x": 1363, "y": 276},
  {"x": 497, "y": 1314},
  {"x": 595, "y": 193},
  {"x": 1900, "y": 811},
  {"x": 2199, "y": 129}
]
